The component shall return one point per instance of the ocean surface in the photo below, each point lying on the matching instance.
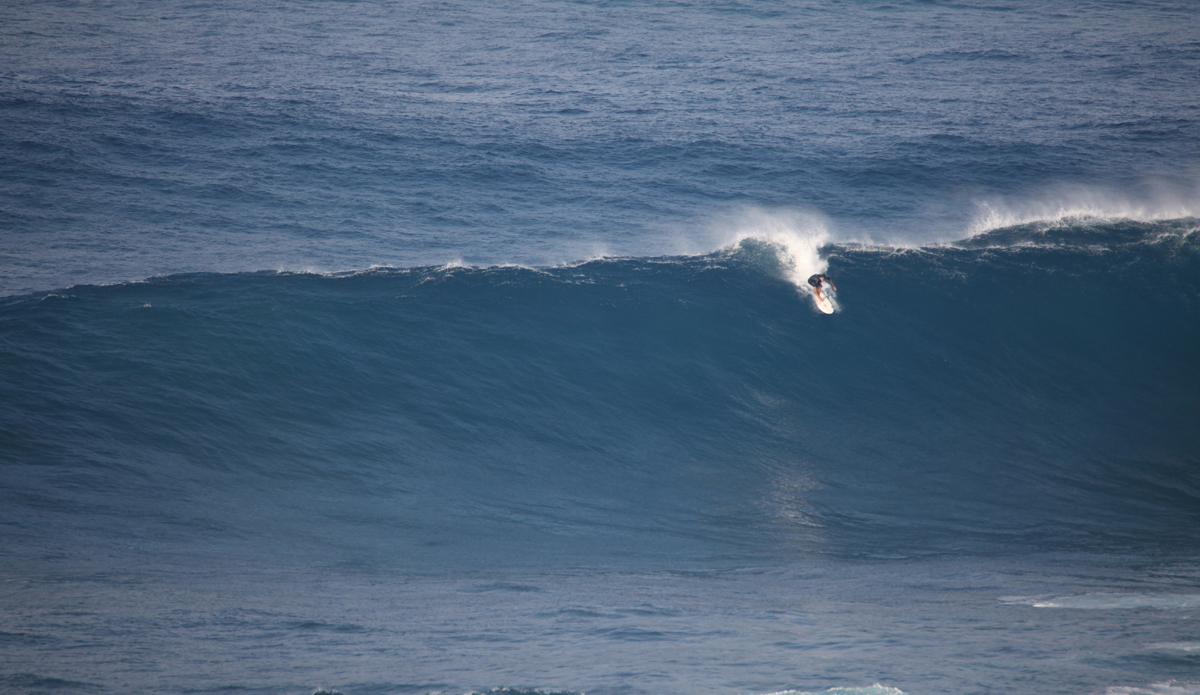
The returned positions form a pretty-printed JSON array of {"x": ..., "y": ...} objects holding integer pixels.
[{"x": 413, "y": 348}]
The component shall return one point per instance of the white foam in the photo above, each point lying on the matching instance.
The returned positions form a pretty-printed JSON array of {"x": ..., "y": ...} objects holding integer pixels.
[
  {"x": 1168, "y": 688},
  {"x": 876, "y": 689},
  {"x": 798, "y": 235},
  {"x": 1067, "y": 204},
  {"x": 1109, "y": 601},
  {"x": 1185, "y": 647}
]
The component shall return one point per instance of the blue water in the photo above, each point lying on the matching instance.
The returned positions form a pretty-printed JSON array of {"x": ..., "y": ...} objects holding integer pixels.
[{"x": 412, "y": 348}]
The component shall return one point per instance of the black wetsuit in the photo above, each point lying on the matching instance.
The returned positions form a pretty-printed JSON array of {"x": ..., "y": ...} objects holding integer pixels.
[{"x": 815, "y": 280}]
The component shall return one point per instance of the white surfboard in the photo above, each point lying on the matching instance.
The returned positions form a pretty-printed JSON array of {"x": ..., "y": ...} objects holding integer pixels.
[{"x": 825, "y": 303}]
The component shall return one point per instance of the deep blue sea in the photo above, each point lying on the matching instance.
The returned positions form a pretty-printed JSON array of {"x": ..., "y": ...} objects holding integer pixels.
[{"x": 447, "y": 347}]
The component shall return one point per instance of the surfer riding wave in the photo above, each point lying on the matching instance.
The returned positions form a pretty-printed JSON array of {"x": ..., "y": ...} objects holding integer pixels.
[{"x": 818, "y": 281}]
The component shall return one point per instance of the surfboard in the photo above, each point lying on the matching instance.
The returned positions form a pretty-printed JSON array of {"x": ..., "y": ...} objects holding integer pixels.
[{"x": 825, "y": 304}]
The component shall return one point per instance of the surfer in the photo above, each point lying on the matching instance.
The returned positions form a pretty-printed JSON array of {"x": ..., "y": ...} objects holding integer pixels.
[{"x": 817, "y": 281}]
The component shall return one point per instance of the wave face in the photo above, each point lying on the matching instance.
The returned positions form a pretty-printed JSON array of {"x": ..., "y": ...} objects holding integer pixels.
[{"x": 1030, "y": 388}]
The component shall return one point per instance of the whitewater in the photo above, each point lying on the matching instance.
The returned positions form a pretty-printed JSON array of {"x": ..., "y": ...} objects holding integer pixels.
[{"x": 406, "y": 348}]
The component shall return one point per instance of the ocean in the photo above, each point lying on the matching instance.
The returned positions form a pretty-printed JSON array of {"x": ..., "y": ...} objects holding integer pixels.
[{"x": 450, "y": 347}]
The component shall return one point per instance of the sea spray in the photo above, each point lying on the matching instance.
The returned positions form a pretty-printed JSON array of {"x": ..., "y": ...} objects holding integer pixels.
[{"x": 798, "y": 237}]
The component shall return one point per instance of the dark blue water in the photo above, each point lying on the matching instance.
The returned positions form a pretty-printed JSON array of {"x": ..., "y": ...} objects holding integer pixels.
[{"x": 445, "y": 348}]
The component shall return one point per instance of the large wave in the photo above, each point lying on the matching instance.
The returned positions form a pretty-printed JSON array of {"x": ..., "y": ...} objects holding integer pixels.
[{"x": 980, "y": 397}]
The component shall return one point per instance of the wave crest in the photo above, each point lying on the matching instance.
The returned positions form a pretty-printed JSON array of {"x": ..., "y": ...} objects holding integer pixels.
[{"x": 1072, "y": 205}]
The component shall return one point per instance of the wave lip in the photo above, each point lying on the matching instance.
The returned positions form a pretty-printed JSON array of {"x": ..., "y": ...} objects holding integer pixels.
[
  {"x": 1167, "y": 688},
  {"x": 1185, "y": 647},
  {"x": 1109, "y": 601},
  {"x": 1089, "y": 233},
  {"x": 799, "y": 237},
  {"x": 1072, "y": 205},
  {"x": 876, "y": 689}
]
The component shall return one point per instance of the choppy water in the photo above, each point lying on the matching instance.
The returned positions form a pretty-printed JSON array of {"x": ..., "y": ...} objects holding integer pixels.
[{"x": 436, "y": 347}]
